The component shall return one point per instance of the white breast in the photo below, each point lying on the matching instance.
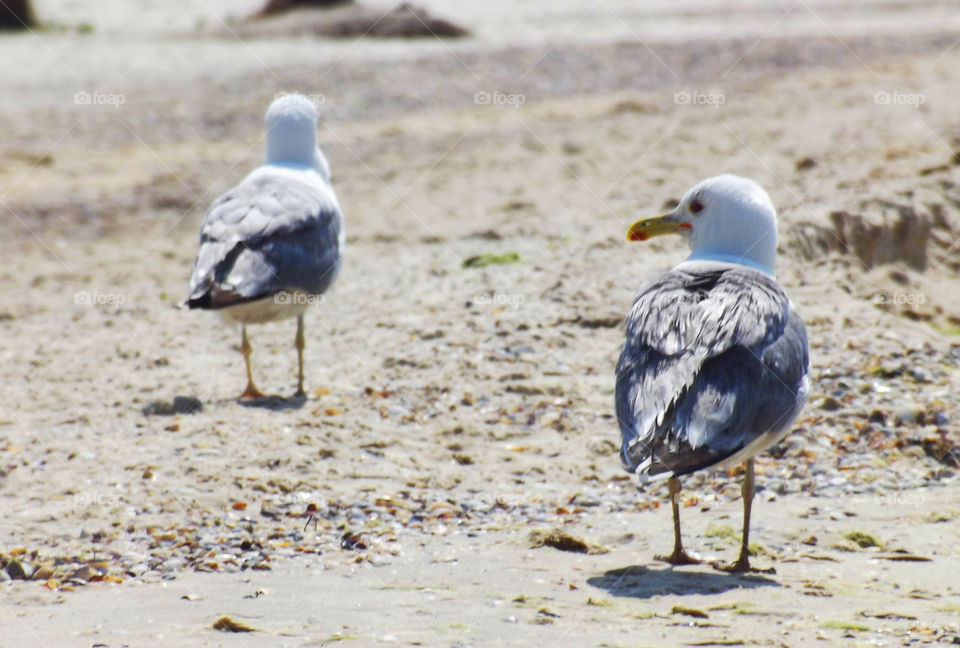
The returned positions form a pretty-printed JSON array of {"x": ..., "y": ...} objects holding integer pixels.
[{"x": 269, "y": 309}]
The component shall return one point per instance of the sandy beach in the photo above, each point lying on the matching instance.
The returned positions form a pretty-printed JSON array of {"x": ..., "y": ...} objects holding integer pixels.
[{"x": 453, "y": 411}]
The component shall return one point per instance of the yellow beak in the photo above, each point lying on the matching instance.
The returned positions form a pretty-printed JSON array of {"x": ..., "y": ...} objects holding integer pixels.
[{"x": 657, "y": 226}]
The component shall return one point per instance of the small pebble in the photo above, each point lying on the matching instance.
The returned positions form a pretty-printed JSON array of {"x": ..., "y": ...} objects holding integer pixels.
[
  {"x": 914, "y": 452},
  {"x": 19, "y": 570},
  {"x": 43, "y": 573},
  {"x": 139, "y": 569},
  {"x": 830, "y": 404},
  {"x": 909, "y": 415}
]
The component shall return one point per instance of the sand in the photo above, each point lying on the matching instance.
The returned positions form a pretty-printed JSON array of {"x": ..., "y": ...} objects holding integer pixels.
[
  {"x": 453, "y": 410},
  {"x": 490, "y": 591}
]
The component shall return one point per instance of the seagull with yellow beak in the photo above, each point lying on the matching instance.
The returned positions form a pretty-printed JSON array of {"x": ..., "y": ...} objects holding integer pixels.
[{"x": 716, "y": 366}]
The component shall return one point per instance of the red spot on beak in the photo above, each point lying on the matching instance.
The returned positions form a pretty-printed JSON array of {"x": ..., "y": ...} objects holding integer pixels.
[
  {"x": 638, "y": 236},
  {"x": 685, "y": 226}
]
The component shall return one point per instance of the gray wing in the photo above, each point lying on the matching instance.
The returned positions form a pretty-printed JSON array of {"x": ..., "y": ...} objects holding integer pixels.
[
  {"x": 715, "y": 357},
  {"x": 273, "y": 232}
]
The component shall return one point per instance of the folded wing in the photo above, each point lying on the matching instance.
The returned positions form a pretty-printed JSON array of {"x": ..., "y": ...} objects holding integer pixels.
[
  {"x": 715, "y": 357},
  {"x": 276, "y": 231}
]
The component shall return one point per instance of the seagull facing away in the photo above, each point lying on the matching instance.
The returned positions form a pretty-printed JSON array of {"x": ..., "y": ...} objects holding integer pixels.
[
  {"x": 716, "y": 366},
  {"x": 273, "y": 244}
]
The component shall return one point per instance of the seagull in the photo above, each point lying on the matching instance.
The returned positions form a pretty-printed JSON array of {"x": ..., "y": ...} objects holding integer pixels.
[
  {"x": 716, "y": 366},
  {"x": 271, "y": 246}
]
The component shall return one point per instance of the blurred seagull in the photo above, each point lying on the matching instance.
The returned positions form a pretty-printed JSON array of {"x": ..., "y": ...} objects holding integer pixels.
[
  {"x": 716, "y": 366},
  {"x": 272, "y": 244}
]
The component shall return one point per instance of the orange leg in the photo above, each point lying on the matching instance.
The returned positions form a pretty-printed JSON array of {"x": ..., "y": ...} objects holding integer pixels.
[
  {"x": 251, "y": 392},
  {"x": 679, "y": 556},
  {"x": 743, "y": 562},
  {"x": 300, "y": 343}
]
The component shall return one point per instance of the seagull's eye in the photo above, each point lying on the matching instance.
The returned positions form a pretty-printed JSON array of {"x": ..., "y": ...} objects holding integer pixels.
[{"x": 696, "y": 206}]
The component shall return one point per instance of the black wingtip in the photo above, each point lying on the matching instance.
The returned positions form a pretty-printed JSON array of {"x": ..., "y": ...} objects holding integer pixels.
[
  {"x": 214, "y": 299},
  {"x": 202, "y": 301}
]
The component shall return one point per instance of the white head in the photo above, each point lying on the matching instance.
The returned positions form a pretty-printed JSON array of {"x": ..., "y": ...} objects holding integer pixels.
[
  {"x": 724, "y": 218},
  {"x": 292, "y": 134}
]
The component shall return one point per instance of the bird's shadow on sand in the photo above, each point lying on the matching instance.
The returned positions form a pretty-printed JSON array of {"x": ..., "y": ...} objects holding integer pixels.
[
  {"x": 642, "y": 582},
  {"x": 275, "y": 403},
  {"x": 177, "y": 405}
]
